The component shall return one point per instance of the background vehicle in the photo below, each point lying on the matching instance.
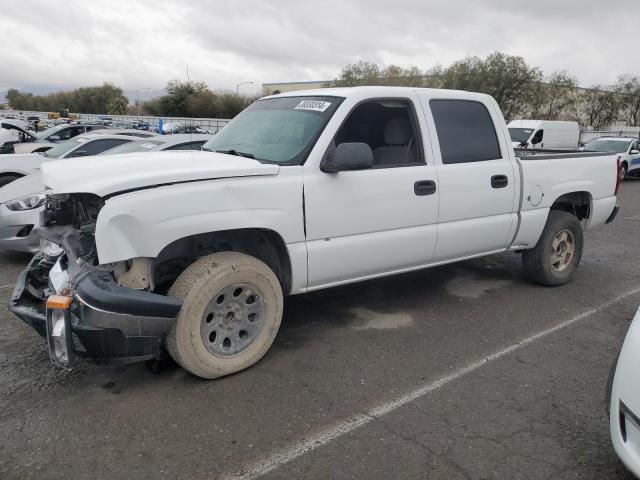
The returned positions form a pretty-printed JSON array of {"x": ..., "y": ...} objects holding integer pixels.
[
  {"x": 178, "y": 129},
  {"x": 624, "y": 406},
  {"x": 299, "y": 192},
  {"x": 13, "y": 132},
  {"x": 550, "y": 135},
  {"x": 162, "y": 143},
  {"x": 18, "y": 165},
  {"x": 627, "y": 148},
  {"x": 44, "y": 140},
  {"x": 22, "y": 201}
]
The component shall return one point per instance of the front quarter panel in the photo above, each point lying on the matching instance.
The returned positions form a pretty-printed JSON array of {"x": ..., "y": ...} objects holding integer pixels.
[
  {"x": 142, "y": 223},
  {"x": 626, "y": 389}
]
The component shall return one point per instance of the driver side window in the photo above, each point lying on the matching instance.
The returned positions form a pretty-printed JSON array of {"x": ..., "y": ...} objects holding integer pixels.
[
  {"x": 389, "y": 128},
  {"x": 537, "y": 138}
]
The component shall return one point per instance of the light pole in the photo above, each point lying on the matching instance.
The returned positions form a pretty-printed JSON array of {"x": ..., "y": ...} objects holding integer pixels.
[
  {"x": 138, "y": 96},
  {"x": 240, "y": 84}
]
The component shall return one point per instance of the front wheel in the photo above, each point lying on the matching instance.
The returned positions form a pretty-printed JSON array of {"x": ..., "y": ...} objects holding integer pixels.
[
  {"x": 231, "y": 312},
  {"x": 558, "y": 251},
  {"x": 624, "y": 169}
]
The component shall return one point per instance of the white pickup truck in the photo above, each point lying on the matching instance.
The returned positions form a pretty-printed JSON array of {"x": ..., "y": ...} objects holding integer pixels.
[{"x": 193, "y": 252}]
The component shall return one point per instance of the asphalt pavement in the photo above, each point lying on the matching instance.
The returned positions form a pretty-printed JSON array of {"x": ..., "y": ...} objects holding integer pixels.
[{"x": 463, "y": 371}]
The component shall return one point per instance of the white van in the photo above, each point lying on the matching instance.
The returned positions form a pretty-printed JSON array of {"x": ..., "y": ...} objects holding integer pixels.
[{"x": 547, "y": 134}]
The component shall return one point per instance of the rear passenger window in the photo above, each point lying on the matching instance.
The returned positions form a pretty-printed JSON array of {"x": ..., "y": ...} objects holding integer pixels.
[{"x": 465, "y": 131}]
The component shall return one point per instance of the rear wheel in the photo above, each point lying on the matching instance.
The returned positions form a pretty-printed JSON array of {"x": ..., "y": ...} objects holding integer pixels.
[
  {"x": 558, "y": 251},
  {"x": 230, "y": 316},
  {"x": 6, "y": 179}
]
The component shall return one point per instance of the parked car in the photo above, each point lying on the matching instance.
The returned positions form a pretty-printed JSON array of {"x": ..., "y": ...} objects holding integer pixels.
[
  {"x": 132, "y": 132},
  {"x": 624, "y": 400},
  {"x": 546, "y": 134},
  {"x": 13, "y": 132},
  {"x": 194, "y": 251},
  {"x": 177, "y": 129},
  {"x": 162, "y": 143},
  {"x": 627, "y": 148},
  {"x": 45, "y": 140},
  {"x": 18, "y": 165},
  {"x": 22, "y": 201}
]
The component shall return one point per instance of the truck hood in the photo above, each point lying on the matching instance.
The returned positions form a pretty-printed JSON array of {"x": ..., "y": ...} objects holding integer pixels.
[{"x": 105, "y": 175}]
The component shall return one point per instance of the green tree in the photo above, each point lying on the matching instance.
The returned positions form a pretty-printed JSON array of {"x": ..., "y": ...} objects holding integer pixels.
[
  {"x": 628, "y": 87},
  {"x": 81, "y": 100},
  {"x": 554, "y": 98},
  {"x": 597, "y": 107}
]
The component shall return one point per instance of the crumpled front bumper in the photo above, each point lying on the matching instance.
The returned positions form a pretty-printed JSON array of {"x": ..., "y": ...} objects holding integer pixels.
[{"x": 107, "y": 323}]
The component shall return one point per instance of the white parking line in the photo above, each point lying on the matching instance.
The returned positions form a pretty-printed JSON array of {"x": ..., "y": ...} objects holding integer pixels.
[
  {"x": 6, "y": 286},
  {"x": 308, "y": 444}
]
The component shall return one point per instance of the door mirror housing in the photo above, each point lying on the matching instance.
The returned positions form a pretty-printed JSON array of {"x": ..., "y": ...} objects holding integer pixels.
[
  {"x": 347, "y": 156},
  {"x": 634, "y": 152},
  {"x": 54, "y": 138}
]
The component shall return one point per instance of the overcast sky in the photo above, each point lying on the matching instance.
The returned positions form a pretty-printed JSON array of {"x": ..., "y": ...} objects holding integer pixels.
[{"x": 51, "y": 44}]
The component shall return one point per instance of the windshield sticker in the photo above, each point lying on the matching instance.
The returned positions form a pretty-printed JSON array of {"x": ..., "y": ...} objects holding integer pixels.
[{"x": 314, "y": 105}]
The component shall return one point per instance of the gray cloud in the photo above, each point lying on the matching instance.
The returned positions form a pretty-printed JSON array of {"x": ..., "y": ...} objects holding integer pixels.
[{"x": 139, "y": 44}]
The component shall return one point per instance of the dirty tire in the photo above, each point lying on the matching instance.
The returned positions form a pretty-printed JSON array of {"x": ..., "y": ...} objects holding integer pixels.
[
  {"x": 6, "y": 179},
  {"x": 198, "y": 287},
  {"x": 538, "y": 261}
]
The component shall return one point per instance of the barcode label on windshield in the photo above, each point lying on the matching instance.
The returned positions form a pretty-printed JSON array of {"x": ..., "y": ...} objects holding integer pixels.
[{"x": 315, "y": 105}]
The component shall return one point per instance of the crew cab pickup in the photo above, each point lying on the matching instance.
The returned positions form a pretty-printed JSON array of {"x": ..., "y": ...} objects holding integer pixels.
[{"x": 191, "y": 253}]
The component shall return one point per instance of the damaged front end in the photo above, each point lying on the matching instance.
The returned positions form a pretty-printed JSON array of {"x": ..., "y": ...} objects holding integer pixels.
[{"x": 76, "y": 304}]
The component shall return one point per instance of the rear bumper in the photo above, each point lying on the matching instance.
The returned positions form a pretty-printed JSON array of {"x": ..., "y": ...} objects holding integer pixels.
[{"x": 108, "y": 324}]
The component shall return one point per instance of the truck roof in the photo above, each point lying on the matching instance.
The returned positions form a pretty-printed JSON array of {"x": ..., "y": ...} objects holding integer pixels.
[{"x": 376, "y": 91}]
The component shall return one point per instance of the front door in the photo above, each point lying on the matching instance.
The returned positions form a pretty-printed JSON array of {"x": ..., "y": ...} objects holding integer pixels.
[{"x": 370, "y": 222}]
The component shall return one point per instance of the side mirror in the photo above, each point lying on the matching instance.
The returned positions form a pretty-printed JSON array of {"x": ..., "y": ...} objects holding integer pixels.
[
  {"x": 54, "y": 138},
  {"x": 634, "y": 152},
  {"x": 347, "y": 156}
]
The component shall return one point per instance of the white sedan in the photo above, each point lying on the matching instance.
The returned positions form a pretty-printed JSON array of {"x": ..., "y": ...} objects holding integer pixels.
[
  {"x": 624, "y": 416},
  {"x": 627, "y": 148}
]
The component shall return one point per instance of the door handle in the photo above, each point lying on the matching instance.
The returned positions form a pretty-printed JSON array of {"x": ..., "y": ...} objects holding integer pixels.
[
  {"x": 424, "y": 187},
  {"x": 499, "y": 181}
]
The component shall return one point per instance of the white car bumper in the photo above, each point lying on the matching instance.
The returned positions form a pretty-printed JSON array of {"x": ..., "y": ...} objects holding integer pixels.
[
  {"x": 625, "y": 401},
  {"x": 19, "y": 230}
]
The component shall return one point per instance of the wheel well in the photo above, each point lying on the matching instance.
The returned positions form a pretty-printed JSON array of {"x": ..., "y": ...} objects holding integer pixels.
[
  {"x": 576, "y": 203},
  {"x": 263, "y": 244}
]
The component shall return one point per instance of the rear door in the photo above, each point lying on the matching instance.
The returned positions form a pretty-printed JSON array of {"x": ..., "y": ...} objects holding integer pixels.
[{"x": 476, "y": 179}]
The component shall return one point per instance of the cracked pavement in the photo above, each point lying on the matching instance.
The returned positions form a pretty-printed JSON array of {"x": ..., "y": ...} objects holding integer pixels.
[{"x": 536, "y": 413}]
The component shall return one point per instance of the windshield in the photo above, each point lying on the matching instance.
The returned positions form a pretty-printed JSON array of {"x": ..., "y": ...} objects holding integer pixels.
[
  {"x": 48, "y": 131},
  {"x": 132, "y": 147},
  {"x": 600, "y": 145},
  {"x": 63, "y": 147},
  {"x": 520, "y": 135},
  {"x": 277, "y": 130}
]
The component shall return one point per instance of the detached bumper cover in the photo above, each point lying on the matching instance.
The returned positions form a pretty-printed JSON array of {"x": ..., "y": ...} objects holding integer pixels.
[
  {"x": 613, "y": 215},
  {"x": 109, "y": 323}
]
